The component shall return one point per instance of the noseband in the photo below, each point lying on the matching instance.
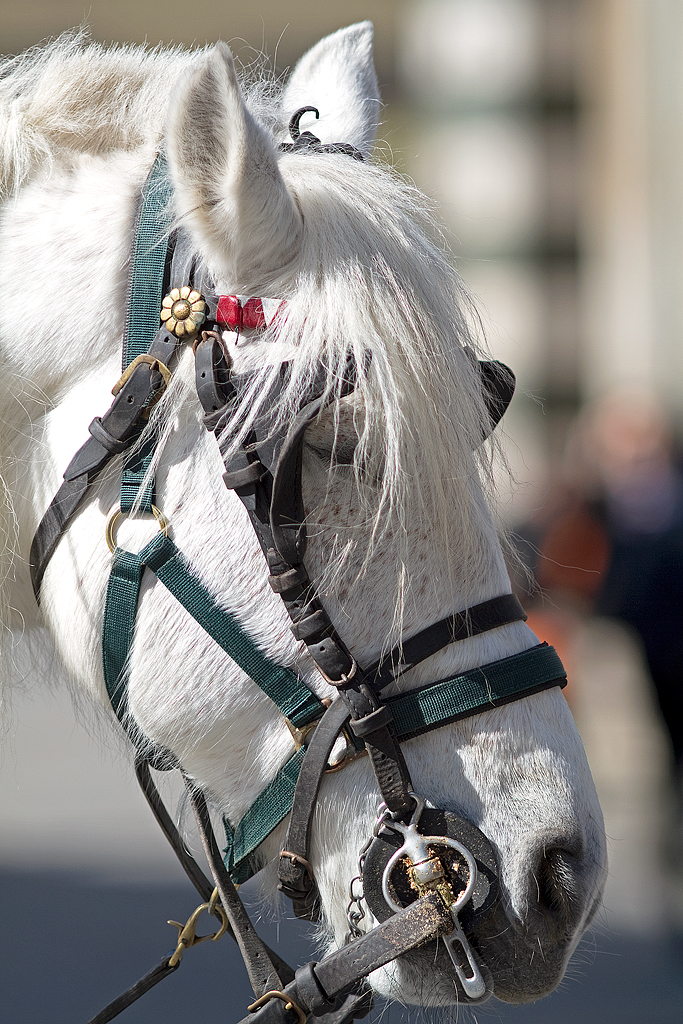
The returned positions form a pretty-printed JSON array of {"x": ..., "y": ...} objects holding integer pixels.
[{"x": 423, "y": 872}]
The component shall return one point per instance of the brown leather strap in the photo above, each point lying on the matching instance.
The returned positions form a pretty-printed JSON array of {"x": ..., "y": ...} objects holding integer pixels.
[
  {"x": 295, "y": 878},
  {"x": 135, "y": 992},
  {"x": 189, "y": 865},
  {"x": 115, "y": 432},
  {"x": 261, "y": 968},
  {"x": 479, "y": 618},
  {"x": 319, "y": 986}
]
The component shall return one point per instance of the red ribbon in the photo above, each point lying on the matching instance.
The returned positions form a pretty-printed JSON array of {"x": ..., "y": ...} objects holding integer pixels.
[{"x": 234, "y": 316}]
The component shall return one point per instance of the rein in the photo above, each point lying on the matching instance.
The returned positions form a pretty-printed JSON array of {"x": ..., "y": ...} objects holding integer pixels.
[{"x": 167, "y": 284}]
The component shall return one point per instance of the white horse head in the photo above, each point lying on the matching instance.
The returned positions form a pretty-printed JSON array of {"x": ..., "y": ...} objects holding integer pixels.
[{"x": 393, "y": 476}]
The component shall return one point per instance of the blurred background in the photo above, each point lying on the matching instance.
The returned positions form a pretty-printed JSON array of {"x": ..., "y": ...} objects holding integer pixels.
[{"x": 550, "y": 134}]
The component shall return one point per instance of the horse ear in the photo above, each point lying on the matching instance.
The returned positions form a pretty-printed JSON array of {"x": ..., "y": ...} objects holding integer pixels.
[
  {"x": 338, "y": 78},
  {"x": 228, "y": 188}
]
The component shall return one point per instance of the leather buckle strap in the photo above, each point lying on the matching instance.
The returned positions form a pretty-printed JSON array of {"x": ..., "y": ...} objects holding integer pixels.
[
  {"x": 318, "y": 986},
  {"x": 110, "y": 435},
  {"x": 154, "y": 363},
  {"x": 472, "y": 621},
  {"x": 364, "y": 727},
  {"x": 212, "y": 373},
  {"x": 295, "y": 873}
]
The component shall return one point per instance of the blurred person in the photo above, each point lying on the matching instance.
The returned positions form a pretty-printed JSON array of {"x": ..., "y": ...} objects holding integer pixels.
[
  {"x": 642, "y": 505},
  {"x": 610, "y": 541}
]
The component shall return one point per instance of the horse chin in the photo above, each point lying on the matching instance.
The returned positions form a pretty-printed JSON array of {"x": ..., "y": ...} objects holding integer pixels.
[
  {"x": 525, "y": 962},
  {"x": 518, "y": 966},
  {"x": 423, "y": 977}
]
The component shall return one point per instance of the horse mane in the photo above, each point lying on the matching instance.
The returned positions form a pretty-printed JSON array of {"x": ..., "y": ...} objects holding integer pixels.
[
  {"x": 75, "y": 96},
  {"x": 374, "y": 280}
]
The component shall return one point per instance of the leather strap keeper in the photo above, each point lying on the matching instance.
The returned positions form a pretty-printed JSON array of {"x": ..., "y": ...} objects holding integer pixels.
[
  {"x": 312, "y": 994},
  {"x": 251, "y": 474},
  {"x": 288, "y": 582},
  {"x": 363, "y": 727},
  {"x": 114, "y": 445},
  {"x": 313, "y": 627}
]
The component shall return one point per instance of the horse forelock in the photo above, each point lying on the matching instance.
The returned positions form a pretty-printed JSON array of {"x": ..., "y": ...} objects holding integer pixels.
[{"x": 373, "y": 281}]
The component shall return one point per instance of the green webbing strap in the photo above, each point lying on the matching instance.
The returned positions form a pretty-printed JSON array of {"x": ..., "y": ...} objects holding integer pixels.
[
  {"x": 285, "y": 689},
  {"x": 136, "y": 466},
  {"x": 123, "y": 591},
  {"x": 145, "y": 286},
  {"x": 431, "y": 707},
  {"x": 148, "y": 262},
  {"x": 145, "y": 292},
  {"x": 477, "y": 690},
  {"x": 270, "y": 807}
]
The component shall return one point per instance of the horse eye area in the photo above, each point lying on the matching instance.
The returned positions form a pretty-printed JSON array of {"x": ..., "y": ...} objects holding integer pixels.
[
  {"x": 339, "y": 452},
  {"x": 333, "y": 437}
]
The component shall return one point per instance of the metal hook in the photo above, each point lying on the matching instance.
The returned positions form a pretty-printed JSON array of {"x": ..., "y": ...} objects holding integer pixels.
[
  {"x": 296, "y": 117},
  {"x": 187, "y": 935}
]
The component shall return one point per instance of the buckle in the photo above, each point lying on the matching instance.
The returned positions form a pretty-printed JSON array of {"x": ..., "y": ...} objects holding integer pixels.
[
  {"x": 132, "y": 367},
  {"x": 346, "y": 677},
  {"x": 301, "y": 733},
  {"x": 275, "y": 994}
]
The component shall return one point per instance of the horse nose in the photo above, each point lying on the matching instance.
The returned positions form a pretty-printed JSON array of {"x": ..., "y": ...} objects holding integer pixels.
[
  {"x": 550, "y": 889},
  {"x": 558, "y": 888}
]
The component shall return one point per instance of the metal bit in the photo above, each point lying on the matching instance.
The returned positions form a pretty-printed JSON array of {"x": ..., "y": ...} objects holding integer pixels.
[
  {"x": 473, "y": 982},
  {"x": 428, "y": 874}
]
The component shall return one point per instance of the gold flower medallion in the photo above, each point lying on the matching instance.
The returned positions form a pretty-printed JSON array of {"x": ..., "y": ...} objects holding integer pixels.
[{"x": 183, "y": 311}]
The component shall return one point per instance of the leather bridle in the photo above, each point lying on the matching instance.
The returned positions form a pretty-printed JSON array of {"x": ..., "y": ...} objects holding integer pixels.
[{"x": 265, "y": 472}]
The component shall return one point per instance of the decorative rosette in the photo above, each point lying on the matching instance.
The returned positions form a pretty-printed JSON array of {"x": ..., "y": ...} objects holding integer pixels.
[{"x": 183, "y": 311}]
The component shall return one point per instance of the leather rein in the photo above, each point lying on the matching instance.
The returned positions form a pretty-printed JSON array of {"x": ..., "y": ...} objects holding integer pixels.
[{"x": 265, "y": 473}]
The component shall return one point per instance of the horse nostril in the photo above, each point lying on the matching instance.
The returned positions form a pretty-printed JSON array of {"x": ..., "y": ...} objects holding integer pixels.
[{"x": 556, "y": 887}]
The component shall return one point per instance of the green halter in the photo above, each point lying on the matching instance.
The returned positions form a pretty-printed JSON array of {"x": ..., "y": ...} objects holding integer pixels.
[{"x": 415, "y": 712}]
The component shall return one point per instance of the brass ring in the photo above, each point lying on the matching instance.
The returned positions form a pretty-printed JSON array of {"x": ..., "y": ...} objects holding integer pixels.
[{"x": 116, "y": 514}]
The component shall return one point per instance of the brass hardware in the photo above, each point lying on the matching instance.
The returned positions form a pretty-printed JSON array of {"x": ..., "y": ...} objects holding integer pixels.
[
  {"x": 300, "y": 737},
  {"x": 274, "y": 994},
  {"x": 187, "y": 935},
  {"x": 349, "y": 755},
  {"x": 296, "y": 859},
  {"x": 346, "y": 677},
  {"x": 116, "y": 514},
  {"x": 213, "y": 900},
  {"x": 183, "y": 311},
  {"x": 301, "y": 734},
  {"x": 144, "y": 358}
]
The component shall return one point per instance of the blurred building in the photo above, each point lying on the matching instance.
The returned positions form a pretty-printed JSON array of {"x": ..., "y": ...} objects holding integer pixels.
[
  {"x": 494, "y": 84},
  {"x": 550, "y": 132}
]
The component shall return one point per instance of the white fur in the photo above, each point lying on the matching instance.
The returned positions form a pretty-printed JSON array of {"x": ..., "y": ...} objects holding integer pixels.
[
  {"x": 396, "y": 541},
  {"x": 338, "y": 78}
]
